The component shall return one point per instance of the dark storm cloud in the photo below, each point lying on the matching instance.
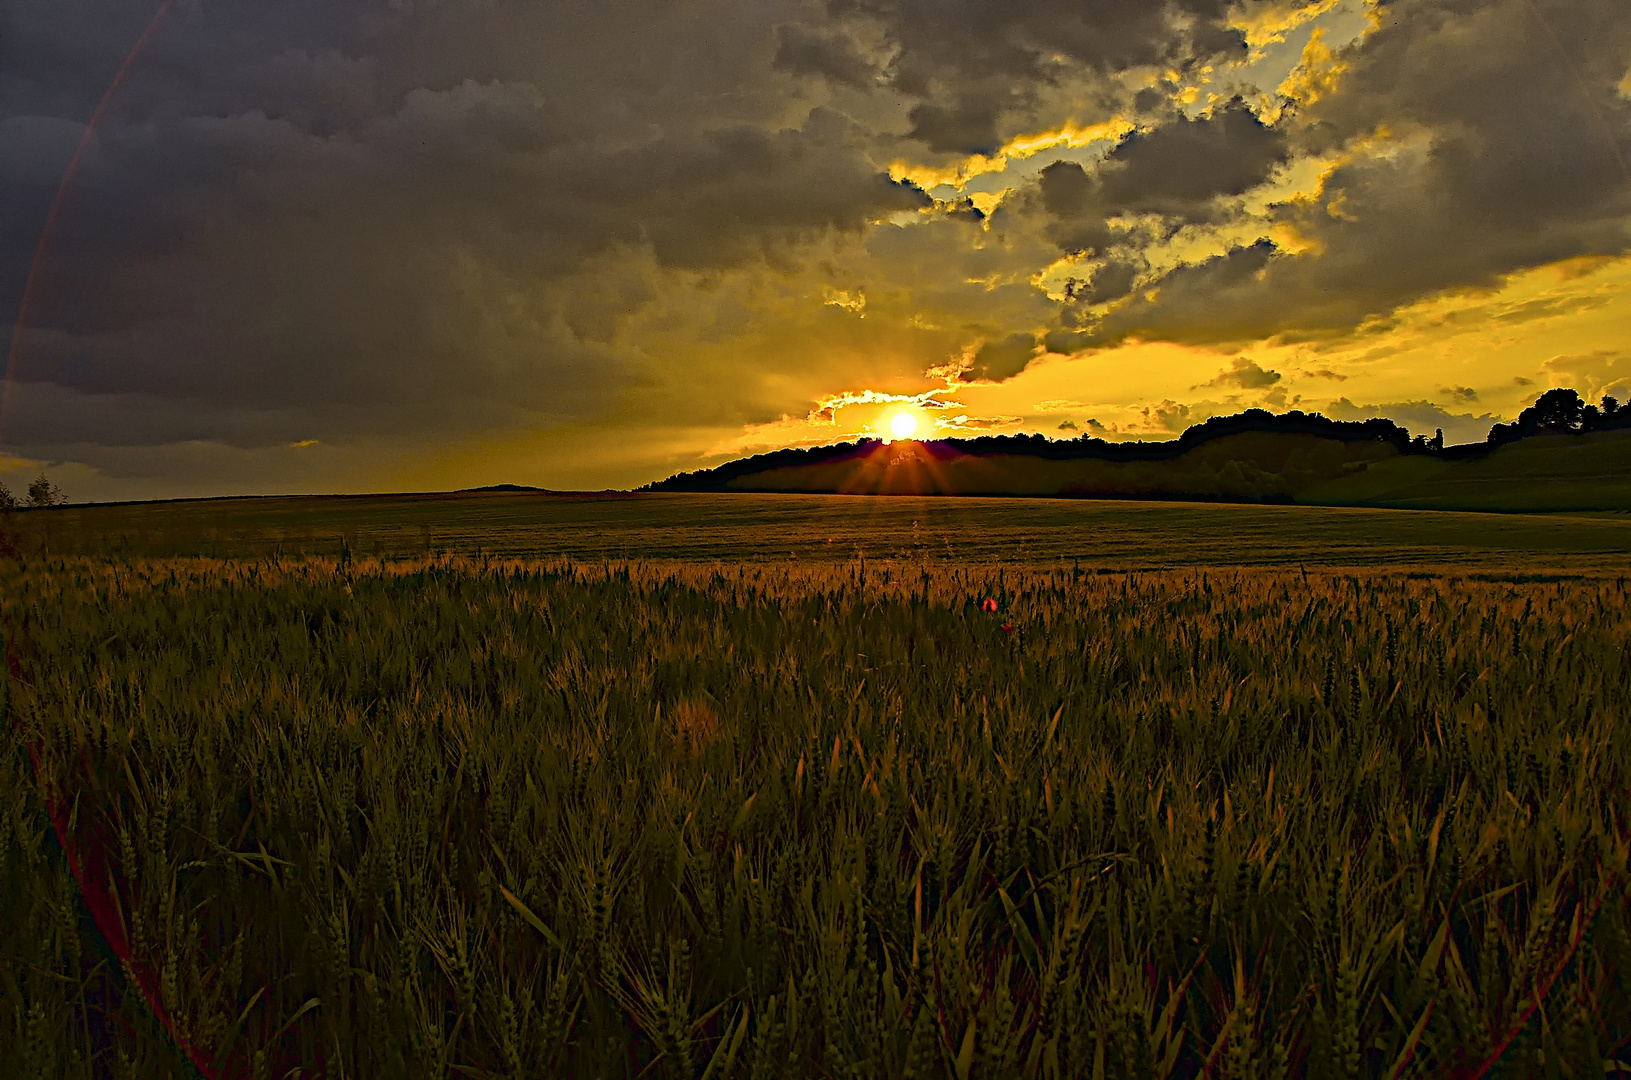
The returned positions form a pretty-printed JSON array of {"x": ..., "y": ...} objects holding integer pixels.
[
  {"x": 1075, "y": 200},
  {"x": 388, "y": 219},
  {"x": 34, "y": 151},
  {"x": 940, "y": 38},
  {"x": 1003, "y": 359},
  {"x": 1177, "y": 165},
  {"x": 966, "y": 125},
  {"x": 415, "y": 220},
  {"x": 1503, "y": 148},
  {"x": 1176, "y": 170},
  {"x": 971, "y": 64},
  {"x": 1196, "y": 302},
  {"x": 408, "y": 254},
  {"x": 124, "y": 421},
  {"x": 801, "y": 51},
  {"x": 58, "y": 56},
  {"x": 1109, "y": 282}
]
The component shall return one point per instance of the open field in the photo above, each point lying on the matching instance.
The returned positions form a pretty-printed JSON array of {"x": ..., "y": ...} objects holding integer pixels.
[
  {"x": 722, "y": 814},
  {"x": 1541, "y": 473},
  {"x": 831, "y": 529}
]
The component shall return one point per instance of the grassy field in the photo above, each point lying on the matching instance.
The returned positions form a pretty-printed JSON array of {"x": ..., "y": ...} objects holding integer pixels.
[
  {"x": 830, "y": 529},
  {"x": 1544, "y": 473},
  {"x": 1175, "y": 805}
]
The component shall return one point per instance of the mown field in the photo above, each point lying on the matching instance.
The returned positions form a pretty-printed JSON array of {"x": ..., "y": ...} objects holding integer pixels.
[{"x": 1355, "y": 805}]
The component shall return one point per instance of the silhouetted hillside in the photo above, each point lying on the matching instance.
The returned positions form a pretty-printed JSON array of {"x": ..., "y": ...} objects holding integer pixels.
[
  {"x": 1254, "y": 456},
  {"x": 726, "y": 477}
]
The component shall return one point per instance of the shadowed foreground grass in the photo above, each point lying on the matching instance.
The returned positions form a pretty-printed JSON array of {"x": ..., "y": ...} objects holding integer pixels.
[{"x": 468, "y": 818}]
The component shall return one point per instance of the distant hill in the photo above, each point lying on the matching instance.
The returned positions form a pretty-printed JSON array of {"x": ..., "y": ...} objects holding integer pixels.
[
  {"x": 1255, "y": 456},
  {"x": 1587, "y": 471}
]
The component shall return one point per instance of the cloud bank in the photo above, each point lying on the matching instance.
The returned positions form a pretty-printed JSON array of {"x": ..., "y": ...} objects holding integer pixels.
[{"x": 439, "y": 244}]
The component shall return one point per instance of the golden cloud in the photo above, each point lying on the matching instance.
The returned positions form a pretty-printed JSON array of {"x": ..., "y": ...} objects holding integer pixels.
[{"x": 1070, "y": 136}]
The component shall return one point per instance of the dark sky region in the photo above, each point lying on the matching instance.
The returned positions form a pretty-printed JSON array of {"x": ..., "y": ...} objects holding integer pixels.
[{"x": 365, "y": 245}]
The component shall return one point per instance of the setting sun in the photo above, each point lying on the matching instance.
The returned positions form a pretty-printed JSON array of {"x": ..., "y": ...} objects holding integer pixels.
[{"x": 902, "y": 425}]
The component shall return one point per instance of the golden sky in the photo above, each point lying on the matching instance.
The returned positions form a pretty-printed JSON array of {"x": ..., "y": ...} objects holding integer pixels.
[{"x": 375, "y": 246}]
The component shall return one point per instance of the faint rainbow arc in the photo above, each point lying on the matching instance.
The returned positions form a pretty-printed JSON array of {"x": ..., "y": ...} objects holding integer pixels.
[
  {"x": 19, "y": 326},
  {"x": 105, "y": 926}
]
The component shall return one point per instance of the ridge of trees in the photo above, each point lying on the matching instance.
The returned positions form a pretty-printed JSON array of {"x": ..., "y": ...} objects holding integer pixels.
[
  {"x": 1554, "y": 412},
  {"x": 1562, "y": 412}
]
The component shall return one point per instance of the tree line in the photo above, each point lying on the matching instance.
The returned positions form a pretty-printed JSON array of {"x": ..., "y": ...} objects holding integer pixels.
[
  {"x": 1554, "y": 412},
  {"x": 42, "y": 492},
  {"x": 1562, "y": 412}
]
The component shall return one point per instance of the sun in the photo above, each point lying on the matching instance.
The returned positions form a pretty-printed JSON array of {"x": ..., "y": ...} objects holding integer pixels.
[{"x": 902, "y": 425}]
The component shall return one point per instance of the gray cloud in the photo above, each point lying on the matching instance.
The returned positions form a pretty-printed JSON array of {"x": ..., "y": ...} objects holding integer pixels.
[
  {"x": 802, "y": 51},
  {"x": 1245, "y": 374},
  {"x": 1506, "y": 154},
  {"x": 375, "y": 220},
  {"x": 996, "y": 361},
  {"x": 974, "y": 64},
  {"x": 966, "y": 125},
  {"x": 1175, "y": 170},
  {"x": 393, "y": 223},
  {"x": 1185, "y": 162},
  {"x": 1218, "y": 299},
  {"x": 1110, "y": 281}
]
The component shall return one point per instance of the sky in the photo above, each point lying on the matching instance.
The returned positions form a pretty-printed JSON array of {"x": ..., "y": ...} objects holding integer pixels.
[{"x": 420, "y": 245}]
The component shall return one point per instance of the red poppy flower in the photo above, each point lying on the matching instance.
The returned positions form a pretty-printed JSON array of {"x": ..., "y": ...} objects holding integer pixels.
[{"x": 988, "y": 604}]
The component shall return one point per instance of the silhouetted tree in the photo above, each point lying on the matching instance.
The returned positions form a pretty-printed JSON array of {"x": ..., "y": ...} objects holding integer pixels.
[
  {"x": 1557, "y": 410},
  {"x": 8, "y": 501},
  {"x": 1554, "y": 412},
  {"x": 1612, "y": 414},
  {"x": 42, "y": 492}
]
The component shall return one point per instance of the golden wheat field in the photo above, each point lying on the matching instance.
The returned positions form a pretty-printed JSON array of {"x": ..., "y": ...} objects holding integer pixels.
[{"x": 300, "y": 813}]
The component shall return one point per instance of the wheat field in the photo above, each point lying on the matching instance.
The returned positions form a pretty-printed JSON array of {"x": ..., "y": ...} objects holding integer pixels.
[{"x": 455, "y": 816}]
